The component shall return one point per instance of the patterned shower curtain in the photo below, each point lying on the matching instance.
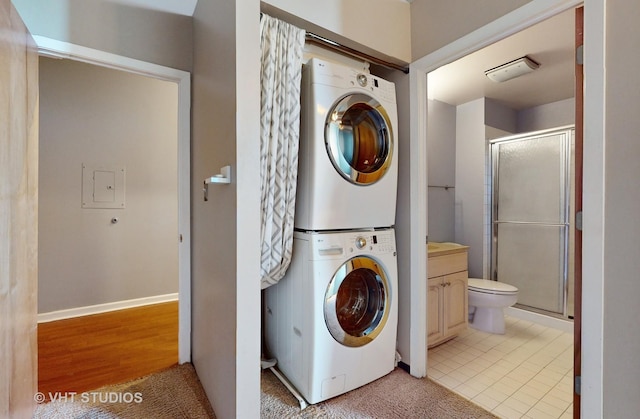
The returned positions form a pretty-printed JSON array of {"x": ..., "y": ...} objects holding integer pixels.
[{"x": 280, "y": 76}]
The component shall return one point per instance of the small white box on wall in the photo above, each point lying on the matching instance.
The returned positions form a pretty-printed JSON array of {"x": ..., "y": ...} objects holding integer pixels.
[{"x": 103, "y": 186}]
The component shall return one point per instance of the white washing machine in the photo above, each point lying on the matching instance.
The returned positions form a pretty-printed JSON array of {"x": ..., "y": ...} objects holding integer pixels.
[
  {"x": 348, "y": 171},
  {"x": 331, "y": 322}
]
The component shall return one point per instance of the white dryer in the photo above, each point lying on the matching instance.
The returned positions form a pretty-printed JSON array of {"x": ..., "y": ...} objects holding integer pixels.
[
  {"x": 347, "y": 170},
  {"x": 331, "y": 322}
]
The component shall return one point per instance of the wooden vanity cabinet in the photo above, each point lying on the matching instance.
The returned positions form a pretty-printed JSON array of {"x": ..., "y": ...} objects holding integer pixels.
[{"x": 447, "y": 295}]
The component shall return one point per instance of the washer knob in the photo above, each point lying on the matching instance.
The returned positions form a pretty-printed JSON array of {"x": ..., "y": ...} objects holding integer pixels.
[
  {"x": 362, "y": 80},
  {"x": 361, "y": 242}
]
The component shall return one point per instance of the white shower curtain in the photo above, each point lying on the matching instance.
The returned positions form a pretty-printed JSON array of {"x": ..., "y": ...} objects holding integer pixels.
[{"x": 280, "y": 76}]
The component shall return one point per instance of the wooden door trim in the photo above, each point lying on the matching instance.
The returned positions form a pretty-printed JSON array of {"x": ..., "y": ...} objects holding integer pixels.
[{"x": 579, "y": 120}]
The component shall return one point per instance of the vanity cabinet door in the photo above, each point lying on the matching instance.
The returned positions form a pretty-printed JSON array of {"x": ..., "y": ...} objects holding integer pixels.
[
  {"x": 456, "y": 308},
  {"x": 435, "y": 328}
]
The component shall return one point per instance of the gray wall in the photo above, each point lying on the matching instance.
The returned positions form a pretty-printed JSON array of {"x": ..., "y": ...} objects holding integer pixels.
[
  {"x": 143, "y": 34},
  {"x": 474, "y": 123},
  {"x": 621, "y": 340},
  {"x": 436, "y": 23},
  {"x": 550, "y": 115},
  {"x": 499, "y": 116},
  {"x": 441, "y": 167},
  {"x": 402, "y": 223},
  {"x": 98, "y": 116},
  {"x": 469, "y": 200},
  {"x": 226, "y": 229},
  {"x": 353, "y": 23}
]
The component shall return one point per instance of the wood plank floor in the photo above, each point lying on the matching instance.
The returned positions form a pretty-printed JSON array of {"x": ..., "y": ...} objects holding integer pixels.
[{"x": 84, "y": 353}]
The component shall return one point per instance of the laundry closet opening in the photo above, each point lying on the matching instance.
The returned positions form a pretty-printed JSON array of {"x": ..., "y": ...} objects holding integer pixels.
[{"x": 330, "y": 324}]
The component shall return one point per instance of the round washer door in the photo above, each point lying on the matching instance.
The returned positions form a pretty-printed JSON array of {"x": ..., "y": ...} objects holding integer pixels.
[
  {"x": 356, "y": 304},
  {"x": 359, "y": 139}
]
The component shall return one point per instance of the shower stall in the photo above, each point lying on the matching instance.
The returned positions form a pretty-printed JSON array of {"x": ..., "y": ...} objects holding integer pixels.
[{"x": 531, "y": 239}]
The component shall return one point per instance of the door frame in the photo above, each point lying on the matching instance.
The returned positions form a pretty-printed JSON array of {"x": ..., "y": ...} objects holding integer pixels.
[
  {"x": 58, "y": 49},
  {"x": 531, "y": 13}
]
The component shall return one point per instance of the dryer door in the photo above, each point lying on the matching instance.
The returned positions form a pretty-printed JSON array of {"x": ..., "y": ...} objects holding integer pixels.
[
  {"x": 357, "y": 302},
  {"x": 359, "y": 139}
]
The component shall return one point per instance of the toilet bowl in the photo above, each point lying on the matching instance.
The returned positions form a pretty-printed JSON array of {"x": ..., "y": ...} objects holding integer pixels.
[{"x": 487, "y": 301}]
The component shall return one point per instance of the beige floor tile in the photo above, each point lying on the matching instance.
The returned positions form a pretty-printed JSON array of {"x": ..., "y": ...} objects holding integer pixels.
[
  {"x": 522, "y": 396},
  {"x": 459, "y": 375},
  {"x": 448, "y": 382},
  {"x": 495, "y": 394},
  {"x": 549, "y": 409},
  {"x": 525, "y": 373},
  {"x": 435, "y": 373},
  {"x": 554, "y": 401},
  {"x": 518, "y": 405},
  {"x": 467, "y": 391},
  {"x": 538, "y": 414},
  {"x": 485, "y": 401},
  {"x": 506, "y": 412}
]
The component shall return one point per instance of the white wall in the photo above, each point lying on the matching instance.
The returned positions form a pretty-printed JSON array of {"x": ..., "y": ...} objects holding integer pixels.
[
  {"x": 379, "y": 27},
  {"x": 621, "y": 205},
  {"x": 436, "y": 23},
  {"x": 98, "y": 116},
  {"x": 476, "y": 122},
  {"x": 550, "y": 115},
  {"x": 469, "y": 200},
  {"x": 441, "y": 167},
  {"x": 499, "y": 116},
  {"x": 147, "y": 35},
  {"x": 402, "y": 224},
  {"x": 498, "y": 121},
  {"x": 226, "y": 229}
]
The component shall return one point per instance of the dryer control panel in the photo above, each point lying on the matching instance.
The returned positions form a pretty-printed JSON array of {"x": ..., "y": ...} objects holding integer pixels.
[
  {"x": 352, "y": 243},
  {"x": 337, "y": 75}
]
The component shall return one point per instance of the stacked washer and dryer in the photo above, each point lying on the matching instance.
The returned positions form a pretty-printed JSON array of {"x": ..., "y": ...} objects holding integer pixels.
[{"x": 331, "y": 322}]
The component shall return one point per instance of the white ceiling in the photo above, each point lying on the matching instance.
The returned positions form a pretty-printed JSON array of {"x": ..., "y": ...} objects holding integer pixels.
[{"x": 550, "y": 43}]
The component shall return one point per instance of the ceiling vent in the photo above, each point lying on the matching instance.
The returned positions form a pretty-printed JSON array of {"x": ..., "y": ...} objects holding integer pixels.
[{"x": 512, "y": 69}]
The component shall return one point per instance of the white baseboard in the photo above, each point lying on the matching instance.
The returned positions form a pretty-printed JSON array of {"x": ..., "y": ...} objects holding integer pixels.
[
  {"x": 541, "y": 319},
  {"x": 103, "y": 308}
]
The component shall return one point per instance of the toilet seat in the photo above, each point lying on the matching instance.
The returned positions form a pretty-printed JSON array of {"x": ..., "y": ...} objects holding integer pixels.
[{"x": 491, "y": 287}]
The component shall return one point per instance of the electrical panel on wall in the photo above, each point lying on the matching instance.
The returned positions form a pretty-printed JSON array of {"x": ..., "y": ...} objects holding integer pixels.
[{"x": 103, "y": 186}]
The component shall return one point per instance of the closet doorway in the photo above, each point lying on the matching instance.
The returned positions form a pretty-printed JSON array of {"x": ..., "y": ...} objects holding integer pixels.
[{"x": 115, "y": 188}]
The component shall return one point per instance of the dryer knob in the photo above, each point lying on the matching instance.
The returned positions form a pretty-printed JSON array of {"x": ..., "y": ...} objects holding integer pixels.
[{"x": 361, "y": 242}]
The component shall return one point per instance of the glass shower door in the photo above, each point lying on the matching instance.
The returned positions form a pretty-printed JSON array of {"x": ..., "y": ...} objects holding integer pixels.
[{"x": 530, "y": 216}]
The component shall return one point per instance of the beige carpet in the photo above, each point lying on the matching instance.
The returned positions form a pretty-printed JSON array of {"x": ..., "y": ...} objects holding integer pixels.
[
  {"x": 177, "y": 393},
  {"x": 170, "y": 394},
  {"x": 397, "y": 395}
]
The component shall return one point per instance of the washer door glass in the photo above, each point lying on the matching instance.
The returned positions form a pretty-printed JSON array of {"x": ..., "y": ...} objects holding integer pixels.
[
  {"x": 356, "y": 305},
  {"x": 359, "y": 139}
]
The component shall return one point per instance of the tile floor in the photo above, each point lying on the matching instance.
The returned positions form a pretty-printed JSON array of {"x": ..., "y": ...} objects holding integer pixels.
[{"x": 525, "y": 373}]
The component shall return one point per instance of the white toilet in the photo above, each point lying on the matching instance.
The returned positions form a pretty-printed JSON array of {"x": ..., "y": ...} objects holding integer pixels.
[{"x": 487, "y": 301}]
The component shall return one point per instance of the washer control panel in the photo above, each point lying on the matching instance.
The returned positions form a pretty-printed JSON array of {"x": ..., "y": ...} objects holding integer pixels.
[{"x": 372, "y": 242}]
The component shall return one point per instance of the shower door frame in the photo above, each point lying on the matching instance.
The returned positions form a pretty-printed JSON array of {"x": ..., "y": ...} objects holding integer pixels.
[{"x": 566, "y": 211}]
